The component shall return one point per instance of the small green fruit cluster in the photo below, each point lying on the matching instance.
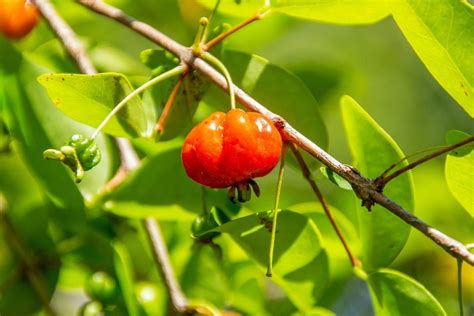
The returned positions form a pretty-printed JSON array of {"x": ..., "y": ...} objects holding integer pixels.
[{"x": 80, "y": 154}]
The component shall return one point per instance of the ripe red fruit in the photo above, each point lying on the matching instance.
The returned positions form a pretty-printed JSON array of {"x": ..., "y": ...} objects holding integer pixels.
[
  {"x": 17, "y": 18},
  {"x": 231, "y": 149}
]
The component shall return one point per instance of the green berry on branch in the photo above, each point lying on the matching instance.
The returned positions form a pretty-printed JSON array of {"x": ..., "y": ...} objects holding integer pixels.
[
  {"x": 101, "y": 287},
  {"x": 80, "y": 154}
]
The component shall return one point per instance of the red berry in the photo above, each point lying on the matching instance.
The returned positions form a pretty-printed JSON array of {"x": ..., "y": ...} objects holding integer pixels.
[
  {"x": 17, "y": 18},
  {"x": 227, "y": 149}
]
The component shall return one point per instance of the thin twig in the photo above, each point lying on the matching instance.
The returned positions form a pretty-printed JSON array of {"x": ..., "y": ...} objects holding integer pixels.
[
  {"x": 18, "y": 246},
  {"x": 66, "y": 35},
  {"x": 363, "y": 186},
  {"x": 216, "y": 40},
  {"x": 460, "y": 298},
  {"x": 160, "y": 125},
  {"x": 309, "y": 177},
  {"x": 128, "y": 156},
  {"x": 415, "y": 163}
]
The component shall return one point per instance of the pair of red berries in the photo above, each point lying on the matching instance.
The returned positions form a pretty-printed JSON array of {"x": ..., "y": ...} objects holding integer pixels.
[
  {"x": 17, "y": 18},
  {"x": 230, "y": 150}
]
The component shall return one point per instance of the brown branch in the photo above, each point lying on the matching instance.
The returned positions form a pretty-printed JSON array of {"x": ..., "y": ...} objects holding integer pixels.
[
  {"x": 382, "y": 181},
  {"x": 37, "y": 282},
  {"x": 66, "y": 35},
  {"x": 308, "y": 176},
  {"x": 363, "y": 187},
  {"x": 216, "y": 40},
  {"x": 128, "y": 156}
]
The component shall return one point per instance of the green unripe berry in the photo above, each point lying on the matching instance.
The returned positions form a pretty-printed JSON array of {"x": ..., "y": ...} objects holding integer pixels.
[
  {"x": 87, "y": 150},
  {"x": 92, "y": 308},
  {"x": 101, "y": 286}
]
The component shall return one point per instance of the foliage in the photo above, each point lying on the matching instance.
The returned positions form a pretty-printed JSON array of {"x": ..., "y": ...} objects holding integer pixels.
[{"x": 56, "y": 234}]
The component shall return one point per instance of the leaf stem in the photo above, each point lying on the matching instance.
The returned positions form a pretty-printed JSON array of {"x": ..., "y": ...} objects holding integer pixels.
[
  {"x": 219, "y": 38},
  {"x": 170, "y": 73},
  {"x": 160, "y": 125},
  {"x": 461, "y": 308},
  {"x": 307, "y": 174},
  {"x": 216, "y": 62},
  {"x": 415, "y": 163},
  {"x": 275, "y": 212}
]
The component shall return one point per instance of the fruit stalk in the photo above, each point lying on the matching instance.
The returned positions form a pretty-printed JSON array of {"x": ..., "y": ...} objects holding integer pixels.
[{"x": 275, "y": 212}]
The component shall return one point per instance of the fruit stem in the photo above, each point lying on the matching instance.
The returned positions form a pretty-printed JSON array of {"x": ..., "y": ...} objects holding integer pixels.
[
  {"x": 216, "y": 62},
  {"x": 275, "y": 212},
  {"x": 196, "y": 48},
  {"x": 170, "y": 73}
]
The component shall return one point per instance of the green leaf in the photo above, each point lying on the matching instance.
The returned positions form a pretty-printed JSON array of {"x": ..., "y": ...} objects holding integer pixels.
[
  {"x": 30, "y": 229},
  {"x": 442, "y": 36},
  {"x": 276, "y": 88},
  {"x": 124, "y": 272},
  {"x": 335, "y": 178},
  {"x": 459, "y": 171},
  {"x": 300, "y": 260},
  {"x": 179, "y": 119},
  {"x": 204, "y": 277},
  {"x": 455, "y": 136},
  {"x": 240, "y": 8},
  {"x": 90, "y": 98},
  {"x": 340, "y": 12},
  {"x": 394, "y": 293},
  {"x": 161, "y": 188},
  {"x": 383, "y": 235},
  {"x": 29, "y": 116}
]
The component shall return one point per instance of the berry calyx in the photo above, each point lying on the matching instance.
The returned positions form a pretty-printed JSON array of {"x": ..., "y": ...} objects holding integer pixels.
[
  {"x": 17, "y": 18},
  {"x": 230, "y": 150}
]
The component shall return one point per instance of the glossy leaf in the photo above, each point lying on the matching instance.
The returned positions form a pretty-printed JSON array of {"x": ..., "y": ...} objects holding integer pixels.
[
  {"x": 300, "y": 260},
  {"x": 29, "y": 116},
  {"x": 124, "y": 272},
  {"x": 242, "y": 9},
  {"x": 161, "y": 188},
  {"x": 394, "y": 293},
  {"x": 459, "y": 171},
  {"x": 340, "y": 12},
  {"x": 442, "y": 36},
  {"x": 89, "y": 99},
  {"x": 276, "y": 88},
  {"x": 383, "y": 235}
]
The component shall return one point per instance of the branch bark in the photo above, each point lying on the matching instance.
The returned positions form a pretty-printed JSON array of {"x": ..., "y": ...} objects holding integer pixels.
[
  {"x": 364, "y": 187},
  {"x": 128, "y": 156}
]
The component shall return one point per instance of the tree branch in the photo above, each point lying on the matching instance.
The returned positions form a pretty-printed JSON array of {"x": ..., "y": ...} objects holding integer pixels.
[
  {"x": 384, "y": 180},
  {"x": 66, "y": 35},
  {"x": 128, "y": 156},
  {"x": 364, "y": 188}
]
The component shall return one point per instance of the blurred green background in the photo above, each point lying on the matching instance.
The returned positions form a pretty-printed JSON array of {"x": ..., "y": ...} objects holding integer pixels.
[{"x": 373, "y": 63}]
